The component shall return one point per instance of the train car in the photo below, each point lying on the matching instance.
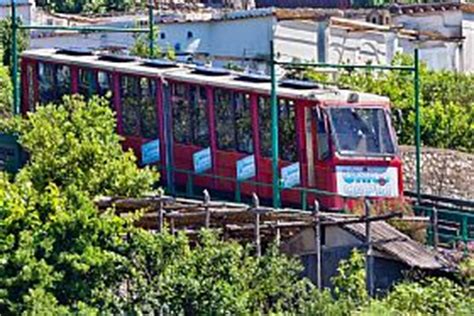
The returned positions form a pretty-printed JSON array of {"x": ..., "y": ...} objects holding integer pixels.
[{"x": 335, "y": 141}]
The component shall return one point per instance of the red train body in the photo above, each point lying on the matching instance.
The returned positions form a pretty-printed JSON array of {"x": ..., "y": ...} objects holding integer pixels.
[{"x": 343, "y": 141}]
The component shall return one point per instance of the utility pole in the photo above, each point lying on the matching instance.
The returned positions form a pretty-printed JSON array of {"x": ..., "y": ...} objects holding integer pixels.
[{"x": 274, "y": 129}]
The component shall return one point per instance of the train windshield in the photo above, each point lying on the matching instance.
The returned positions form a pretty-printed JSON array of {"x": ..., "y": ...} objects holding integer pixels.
[{"x": 361, "y": 131}]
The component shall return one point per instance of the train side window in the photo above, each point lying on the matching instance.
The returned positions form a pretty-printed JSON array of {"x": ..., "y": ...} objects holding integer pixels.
[
  {"x": 199, "y": 117},
  {"x": 264, "y": 126},
  {"x": 322, "y": 134},
  {"x": 46, "y": 78},
  {"x": 225, "y": 126},
  {"x": 130, "y": 101},
  {"x": 243, "y": 123},
  {"x": 147, "y": 109},
  {"x": 139, "y": 107},
  {"x": 181, "y": 114},
  {"x": 63, "y": 81},
  {"x": 31, "y": 86},
  {"x": 87, "y": 83},
  {"x": 288, "y": 148},
  {"x": 104, "y": 84},
  {"x": 233, "y": 121}
]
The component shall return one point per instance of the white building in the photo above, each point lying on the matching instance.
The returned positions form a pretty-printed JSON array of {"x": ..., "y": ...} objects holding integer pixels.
[
  {"x": 444, "y": 33},
  {"x": 25, "y": 9}
]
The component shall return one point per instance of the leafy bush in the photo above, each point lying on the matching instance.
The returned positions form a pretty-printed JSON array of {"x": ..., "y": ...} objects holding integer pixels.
[
  {"x": 74, "y": 145},
  {"x": 6, "y": 97}
]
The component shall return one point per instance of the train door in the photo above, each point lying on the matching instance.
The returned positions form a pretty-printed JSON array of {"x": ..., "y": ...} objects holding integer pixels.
[
  {"x": 137, "y": 115},
  {"x": 323, "y": 168},
  {"x": 234, "y": 136},
  {"x": 191, "y": 133}
]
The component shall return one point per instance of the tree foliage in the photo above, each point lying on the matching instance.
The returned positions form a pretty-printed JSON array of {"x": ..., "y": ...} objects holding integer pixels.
[
  {"x": 6, "y": 41},
  {"x": 74, "y": 145},
  {"x": 91, "y": 6},
  {"x": 6, "y": 96},
  {"x": 60, "y": 255}
]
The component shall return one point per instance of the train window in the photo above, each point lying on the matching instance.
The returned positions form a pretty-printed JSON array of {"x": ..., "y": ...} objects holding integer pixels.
[
  {"x": 233, "y": 121},
  {"x": 361, "y": 131},
  {"x": 322, "y": 134},
  {"x": 139, "y": 107},
  {"x": 87, "y": 83},
  {"x": 199, "y": 118},
  {"x": 181, "y": 114},
  {"x": 104, "y": 84},
  {"x": 129, "y": 88},
  {"x": 287, "y": 130},
  {"x": 31, "y": 86},
  {"x": 243, "y": 123},
  {"x": 225, "y": 126},
  {"x": 264, "y": 126},
  {"x": 286, "y": 126},
  {"x": 46, "y": 78},
  {"x": 63, "y": 81},
  {"x": 148, "y": 116}
]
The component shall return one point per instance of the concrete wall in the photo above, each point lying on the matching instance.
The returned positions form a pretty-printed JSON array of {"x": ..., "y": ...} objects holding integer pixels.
[
  {"x": 468, "y": 45},
  {"x": 447, "y": 23}
]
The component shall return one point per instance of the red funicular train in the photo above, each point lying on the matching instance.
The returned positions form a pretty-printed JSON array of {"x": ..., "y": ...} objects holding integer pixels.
[{"x": 333, "y": 140}]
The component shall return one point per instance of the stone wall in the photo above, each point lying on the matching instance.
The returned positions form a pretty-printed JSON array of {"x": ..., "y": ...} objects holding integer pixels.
[{"x": 444, "y": 172}]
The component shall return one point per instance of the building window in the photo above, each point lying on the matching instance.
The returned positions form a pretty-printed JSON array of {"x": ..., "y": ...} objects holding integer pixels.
[
  {"x": 139, "y": 107},
  {"x": 162, "y": 35},
  {"x": 63, "y": 81},
  {"x": 190, "y": 35}
]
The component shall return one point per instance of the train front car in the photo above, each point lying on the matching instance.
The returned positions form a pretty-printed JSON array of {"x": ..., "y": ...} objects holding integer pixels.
[{"x": 357, "y": 150}]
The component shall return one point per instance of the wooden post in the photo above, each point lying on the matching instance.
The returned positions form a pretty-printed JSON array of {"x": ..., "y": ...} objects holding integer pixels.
[
  {"x": 160, "y": 212},
  {"x": 317, "y": 237},
  {"x": 369, "y": 264},
  {"x": 256, "y": 204},
  {"x": 207, "y": 199},
  {"x": 278, "y": 234},
  {"x": 435, "y": 228}
]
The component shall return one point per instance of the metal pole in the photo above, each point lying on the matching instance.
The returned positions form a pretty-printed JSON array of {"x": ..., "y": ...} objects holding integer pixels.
[
  {"x": 416, "y": 84},
  {"x": 274, "y": 113},
  {"x": 369, "y": 265},
  {"x": 151, "y": 34},
  {"x": 14, "y": 53}
]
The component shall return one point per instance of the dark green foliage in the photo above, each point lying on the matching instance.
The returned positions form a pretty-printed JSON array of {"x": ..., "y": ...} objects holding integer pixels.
[
  {"x": 6, "y": 97},
  {"x": 91, "y": 6},
  {"x": 23, "y": 37},
  {"x": 74, "y": 145}
]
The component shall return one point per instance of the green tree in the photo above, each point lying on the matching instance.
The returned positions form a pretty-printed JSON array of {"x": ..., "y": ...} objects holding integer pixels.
[
  {"x": 6, "y": 40},
  {"x": 6, "y": 92},
  {"x": 74, "y": 145}
]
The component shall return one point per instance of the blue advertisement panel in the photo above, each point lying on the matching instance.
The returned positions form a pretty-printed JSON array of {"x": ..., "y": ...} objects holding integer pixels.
[
  {"x": 151, "y": 152},
  {"x": 246, "y": 168},
  {"x": 202, "y": 160},
  {"x": 290, "y": 175}
]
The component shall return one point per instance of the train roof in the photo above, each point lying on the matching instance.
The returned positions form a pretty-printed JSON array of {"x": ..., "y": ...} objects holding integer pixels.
[{"x": 188, "y": 73}]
